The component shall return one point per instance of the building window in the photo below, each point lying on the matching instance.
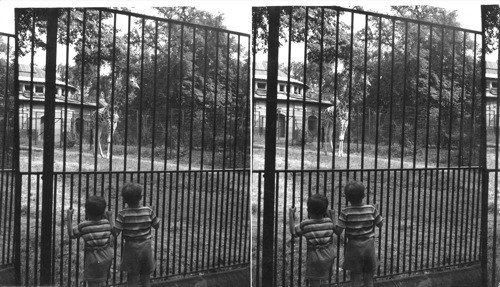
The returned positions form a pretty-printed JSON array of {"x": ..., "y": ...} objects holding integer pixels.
[
  {"x": 27, "y": 88},
  {"x": 494, "y": 84},
  {"x": 282, "y": 87},
  {"x": 295, "y": 89},
  {"x": 38, "y": 89},
  {"x": 261, "y": 86}
]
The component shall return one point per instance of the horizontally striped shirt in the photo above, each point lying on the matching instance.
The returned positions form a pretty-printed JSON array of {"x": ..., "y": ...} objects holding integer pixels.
[
  {"x": 359, "y": 221},
  {"x": 136, "y": 223},
  {"x": 96, "y": 234},
  {"x": 316, "y": 231}
]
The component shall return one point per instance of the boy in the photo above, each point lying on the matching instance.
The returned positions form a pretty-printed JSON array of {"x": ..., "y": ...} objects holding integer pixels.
[
  {"x": 318, "y": 230},
  {"x": 359, "y": 221},
  {"x": 135, "y": 222},
  {"x": 96, "y": 232}
]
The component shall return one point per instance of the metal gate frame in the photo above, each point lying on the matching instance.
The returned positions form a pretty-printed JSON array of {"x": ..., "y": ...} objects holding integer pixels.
[
  {"x": 228, "y": 240},
  {"x": 270, "y": 197}
]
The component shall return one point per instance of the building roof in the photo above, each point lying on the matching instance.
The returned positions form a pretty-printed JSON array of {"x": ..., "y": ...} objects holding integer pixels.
[
  {"x": 261, "y": 74},
  {"x": 60, "y": 100},
  {"x": 260, "y": 95},
  {"x": 491, "y": 69},
  {"x": 38, "y": 75}
]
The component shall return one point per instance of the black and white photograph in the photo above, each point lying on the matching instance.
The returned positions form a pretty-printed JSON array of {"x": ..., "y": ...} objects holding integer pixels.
[{"x": 251, "y": 143}]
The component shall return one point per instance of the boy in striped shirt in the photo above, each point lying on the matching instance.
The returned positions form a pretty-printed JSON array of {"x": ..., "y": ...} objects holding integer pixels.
[
  {"x": 359, "y": 221},
  {"x": 135, "y": 223},
  {"x": 96, "y": 232},
  {"x": 318, "y": 230}
]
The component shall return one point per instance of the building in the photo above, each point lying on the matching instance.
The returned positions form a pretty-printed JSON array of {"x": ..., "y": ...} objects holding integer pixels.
[
  {"x": 295, "y": 103},
  {"x": 31, "y": 107},
  {"x": 491, "y": 92}
]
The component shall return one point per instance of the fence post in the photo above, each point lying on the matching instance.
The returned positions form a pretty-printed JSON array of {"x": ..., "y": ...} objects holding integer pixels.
[
  {"x": 268, "y": 273},
  {"x": 16, "y": 161},
  {"x": 48, "y": 149},
  {"x": 483, "y": 161}
]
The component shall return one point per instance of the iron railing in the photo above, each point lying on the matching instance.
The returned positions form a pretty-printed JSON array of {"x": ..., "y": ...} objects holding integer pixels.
[
  {"x": 7, "y": 179},
  {"x": 167, "y": 102},
  {"x": 411, "y": 92}
]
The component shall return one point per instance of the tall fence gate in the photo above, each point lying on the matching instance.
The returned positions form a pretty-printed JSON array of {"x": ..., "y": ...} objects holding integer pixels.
[
  {"x": 7, "y": 142},
  {"x": 410, "y": 92},
  {"x": 133, "y": 98}
]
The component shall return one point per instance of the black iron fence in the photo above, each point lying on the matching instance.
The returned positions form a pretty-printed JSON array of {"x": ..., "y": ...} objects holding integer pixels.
[
  {"x": 492, "y": 148},
  {"x": 410, "y": 92},
  {"x": 136, "y": 98},
  {"x": 7, "y": 179}
]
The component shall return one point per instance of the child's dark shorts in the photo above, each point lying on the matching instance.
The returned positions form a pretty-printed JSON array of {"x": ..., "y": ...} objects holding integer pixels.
[
  {"x": 320, "y": 261},
  {"x": 97, "y": 263},
  {"x": 360, "y": 255},
  {"x": 137, "y": 257}
]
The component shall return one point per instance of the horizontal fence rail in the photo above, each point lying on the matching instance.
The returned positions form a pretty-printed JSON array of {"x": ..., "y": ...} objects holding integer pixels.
[
  {"x": 139, "y": 98},
  {"x": 390, "y": 101}
]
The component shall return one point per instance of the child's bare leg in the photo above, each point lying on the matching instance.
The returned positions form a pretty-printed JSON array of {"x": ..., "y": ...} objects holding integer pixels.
[
  {"x": 368, "y": 279},
  {"x": 132, "y": 279},
  {"x": 145, "y": 280}
]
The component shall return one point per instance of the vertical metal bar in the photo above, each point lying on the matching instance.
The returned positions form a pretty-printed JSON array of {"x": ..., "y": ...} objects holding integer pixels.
[
  {"x": 247, "y": 175},
  {"x": 202, "y": 152},
  {"x": 268, "y": 274},
  {"x": 304, "y": 88},
  {"x": 48, "y": 151},
  {"x": 415, "y": 127},
  {"x": 259, "y": 256},
  {"x": 320, "y": 93},
  {"x": 389, "y": 153},
  {"x": 438, "y": 146},
  {"x": 450, "y": 129},
  {"x": 66, "y": 79},
  {"x": 141, "y": 96},
  {"x": 182, "y": 190},
  {"x": 54, "y": 232},
  {"x": 363, "y": 117},
  {"x": 97, "y": 140},
  {"x": 37, "y": 229},
  {"x": 460, "y": 149},
  {"x": 112, "y": 104},
  {"x": 496, "y": 174},
  {"x": 236, "y": 140},
  {"x": 351, "y": 68},
  {"x": 222, "y": 211},
  {"x": 16, "y": 160},
  {"x": 213, "y": 141},
  {"x": 336, "y": 88},
  {"x": 405, "y": 74},
  {"x": 292, "y": 243},
  {"x": 426, "y": 164},
  {"x": 127, "y": 85},
  {"x": 483, "y": 154},
  {"x": 155, "y": 89},
  {"x": 275, "y": 235},
  {"x": 285, "y": 187},
  {"x": 190, "y": 156}
]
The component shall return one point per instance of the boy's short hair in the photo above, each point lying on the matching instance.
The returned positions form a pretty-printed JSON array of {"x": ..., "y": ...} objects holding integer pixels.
[
  {"x": 354, "y": 191},
  {"x": 95, "y": 206},
  {"x": 131, "y": 193},
  {"x": 317, "y": 204}
]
